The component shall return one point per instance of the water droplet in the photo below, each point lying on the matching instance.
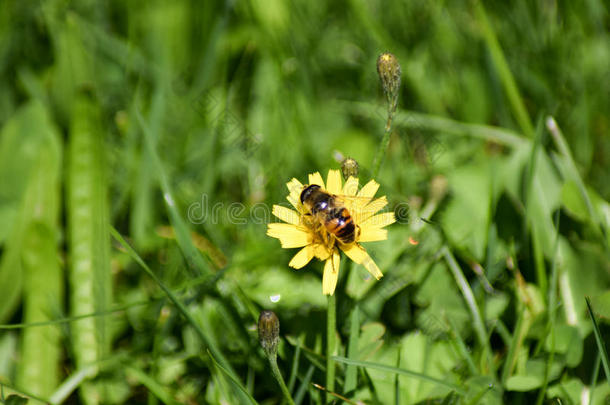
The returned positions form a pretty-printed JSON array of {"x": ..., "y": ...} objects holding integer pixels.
[{"x": 275, "y": 298}]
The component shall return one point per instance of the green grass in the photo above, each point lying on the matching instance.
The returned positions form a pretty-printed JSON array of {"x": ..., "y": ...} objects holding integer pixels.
[{"x": 142, "y": 146}]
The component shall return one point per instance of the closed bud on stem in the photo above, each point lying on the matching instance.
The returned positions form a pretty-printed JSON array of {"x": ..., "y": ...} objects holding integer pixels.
[
  {"x": 269, "y": 332},
  {"x": 389, "y": 72},
  {"x": 349, "y": 167}
]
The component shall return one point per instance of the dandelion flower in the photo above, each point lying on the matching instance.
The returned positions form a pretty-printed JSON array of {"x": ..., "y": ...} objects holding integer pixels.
[{"x": 301, "y": 230}]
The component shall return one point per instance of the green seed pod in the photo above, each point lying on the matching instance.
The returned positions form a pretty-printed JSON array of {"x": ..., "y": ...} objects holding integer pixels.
[
  {"x": 388, "y": 69},
  {"x": 269, "y": 332},
  {"x": 349, "y": 167}
]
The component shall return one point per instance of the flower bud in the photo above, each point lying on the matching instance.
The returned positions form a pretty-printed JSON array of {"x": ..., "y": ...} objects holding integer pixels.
[
  {"x": 388, "y": 69},
  {"x": 269, "y": 332},
  {"x": 349, "y": 167}
]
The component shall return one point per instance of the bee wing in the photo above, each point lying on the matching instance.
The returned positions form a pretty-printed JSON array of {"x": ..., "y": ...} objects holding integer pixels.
[{"x": 361, "y": 207}]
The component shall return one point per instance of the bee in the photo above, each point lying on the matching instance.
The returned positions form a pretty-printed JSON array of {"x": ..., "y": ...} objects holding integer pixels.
[{"x": 330, "y": 213}]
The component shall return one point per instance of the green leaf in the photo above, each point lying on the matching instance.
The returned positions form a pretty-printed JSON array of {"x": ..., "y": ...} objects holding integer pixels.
[
  {"x": 16, "y": 400},
  {"x": 466, "y": 218},
  {"x": 567, "y": 341},
  {"x": 573, "y": 202}
]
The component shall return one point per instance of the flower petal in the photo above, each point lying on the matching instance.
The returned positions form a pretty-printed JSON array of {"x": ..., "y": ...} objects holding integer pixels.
[
  {"x": 333, "y": 182},
  {"x": 370, "y": 209},
  {"x": 290, "y": 236},
  {"x": 369, "y": 189},
  {"x": 331, "y": 274},
  {"x": 302, "y": 258},
  {"x": 360, "y": 256},
  {"x": 286, "y": 214},
  {"x": 315, "y": 178},
  {"x": 351, "y": 186},
  {"x": 295, "y": 188},
  {"x": 378, "y": 221},
  {"x": 321, "y": 251},
  {"x": 371, "y": 234}
]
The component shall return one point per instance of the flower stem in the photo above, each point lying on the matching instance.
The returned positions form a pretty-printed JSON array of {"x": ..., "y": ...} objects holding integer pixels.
[
  {"x": 280, "y": 380},
  {"x": 385, "y": 140},
  {"x": 330, "y": 344}
]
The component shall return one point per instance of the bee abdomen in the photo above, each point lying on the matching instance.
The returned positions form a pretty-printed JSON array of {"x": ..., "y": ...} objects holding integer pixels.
[{"x": 342, "y": 225}]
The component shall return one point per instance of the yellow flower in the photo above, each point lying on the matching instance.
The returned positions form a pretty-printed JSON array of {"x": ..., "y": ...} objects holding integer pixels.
[{"x": 300, "y": 231}]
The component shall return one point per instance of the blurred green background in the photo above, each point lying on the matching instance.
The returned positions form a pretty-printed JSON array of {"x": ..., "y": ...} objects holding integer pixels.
[{"x": 142, "y": 145}]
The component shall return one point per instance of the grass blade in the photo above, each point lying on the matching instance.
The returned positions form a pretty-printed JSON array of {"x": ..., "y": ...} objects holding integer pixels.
[
  {"x": 352, "y": 351},
  {"x": 38, "y": 368},
  {"x": 89, "y": 241},
  {"x": 600, "y": 341},
  {"x": 396, "y": 370},
  {"x": 207, "y": 340},
  {"x": 506, "y": 77},
  {"x": 477, "y": 318}
]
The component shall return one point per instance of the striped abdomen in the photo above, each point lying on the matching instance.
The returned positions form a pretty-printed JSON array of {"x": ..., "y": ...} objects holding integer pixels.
[{"x": 341, "y": 224}]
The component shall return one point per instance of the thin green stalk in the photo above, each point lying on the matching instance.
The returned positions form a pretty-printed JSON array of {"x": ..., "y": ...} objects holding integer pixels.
[
  {"x": 384, "y": 142},
  {"x": 331, "y": 320},
  {"x": 479, "y": 325},
  {"x": 401, "y": 371},
  {"x": 594, "y": 375},
  {"x": 600, "y": 341},
  {"x": 280, "y": 380}
]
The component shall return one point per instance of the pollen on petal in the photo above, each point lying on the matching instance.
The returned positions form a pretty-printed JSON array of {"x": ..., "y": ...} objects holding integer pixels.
[
  {"x": 303, "y": 257},
  {"x": 290, "y": 236},
  {"x": 286, "y": 214},
  {"x": 333, "y": 182},
  {"x": 321, "y": 251},
  {"x": 315, "y": 178},
  {"x": 331, "y": 274}
]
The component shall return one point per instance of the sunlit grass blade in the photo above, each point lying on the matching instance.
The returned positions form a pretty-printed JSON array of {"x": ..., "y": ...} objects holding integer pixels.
[
  {"x": 71, "y": 383},
  {"x": 89, "y": 240},
  {"x": 601, "y": 346},
  {"x": 574, "y": 175},
  {"x": 401, "y": 371},
  {"x": 38, "y": 368}
]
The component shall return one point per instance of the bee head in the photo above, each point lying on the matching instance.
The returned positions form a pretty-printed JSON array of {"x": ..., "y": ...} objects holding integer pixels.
[{"x": 307, "y": 190}]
